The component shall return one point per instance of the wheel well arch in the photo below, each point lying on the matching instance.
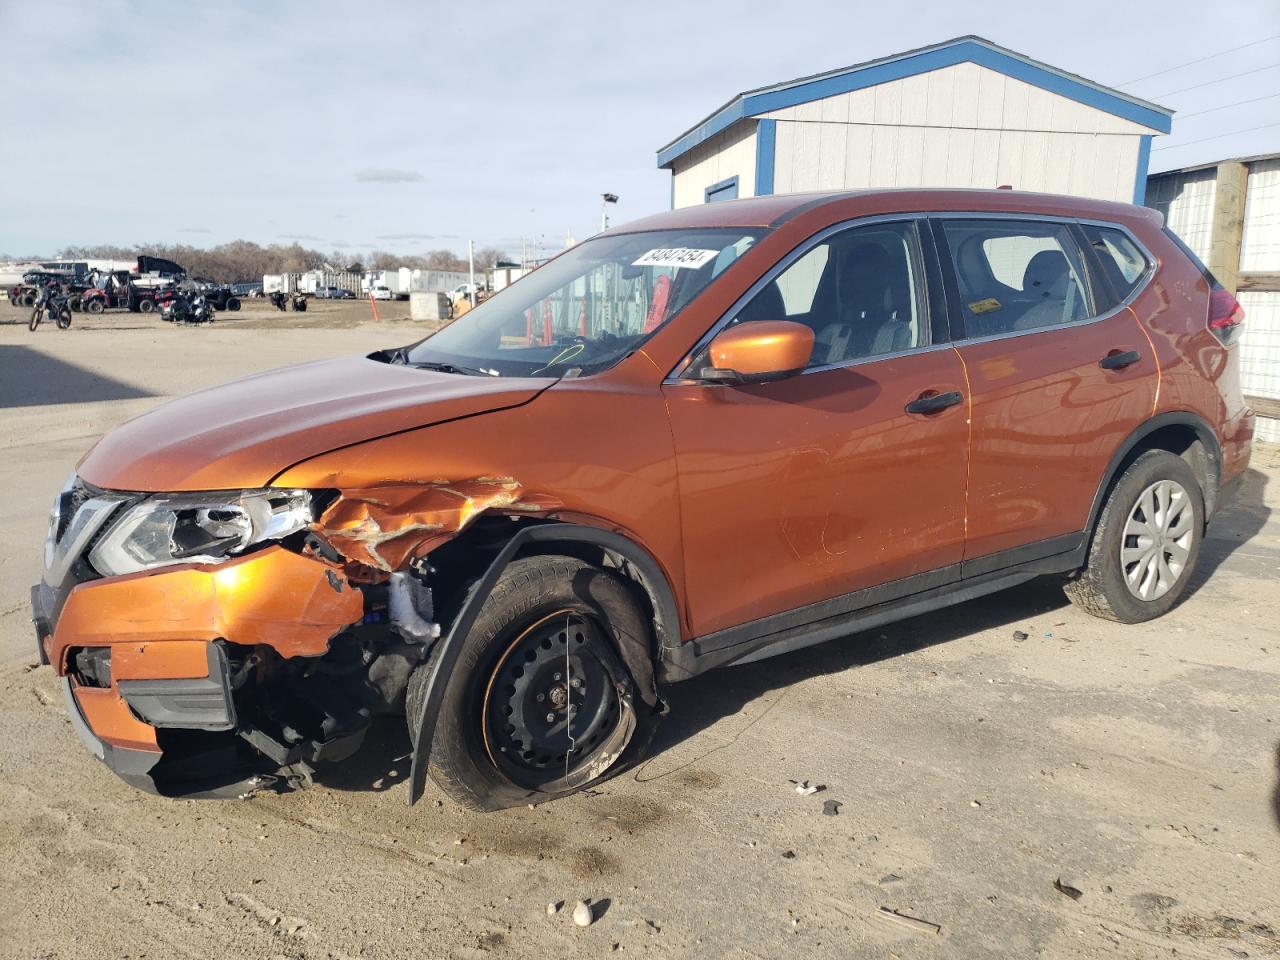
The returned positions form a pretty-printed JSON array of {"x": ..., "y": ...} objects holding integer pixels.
[
  {"x": 530, "y": 539},
  {"x": 1184, "y": 434},
  {"x": 499, "y": 539}
]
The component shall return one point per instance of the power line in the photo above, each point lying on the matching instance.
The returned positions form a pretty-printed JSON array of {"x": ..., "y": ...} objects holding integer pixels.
[
  {"x": 1209, "y": 83},
  {"x": 1212, "y": 56},
  {"x": 1217, "y": 136},
  {"x": 1238, "y": 103}
]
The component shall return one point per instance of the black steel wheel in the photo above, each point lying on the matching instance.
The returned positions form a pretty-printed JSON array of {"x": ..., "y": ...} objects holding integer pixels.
[
  {"x": 540, "y": 703},
  {"x": 552, "y": 701}
]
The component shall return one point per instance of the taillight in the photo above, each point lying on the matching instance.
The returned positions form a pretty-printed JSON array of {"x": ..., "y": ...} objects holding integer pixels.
[{"x": 1225, "y": 314}]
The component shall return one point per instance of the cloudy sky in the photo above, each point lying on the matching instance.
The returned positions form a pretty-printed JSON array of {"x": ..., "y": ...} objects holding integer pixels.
[{"x": 418, "y": 125}]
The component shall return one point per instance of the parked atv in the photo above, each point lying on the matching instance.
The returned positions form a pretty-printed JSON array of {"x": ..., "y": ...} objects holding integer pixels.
[
  {"x": 278, "y": 300},
  {"x": 187, "y": 308},
  {"x": 299, "y": 303}
]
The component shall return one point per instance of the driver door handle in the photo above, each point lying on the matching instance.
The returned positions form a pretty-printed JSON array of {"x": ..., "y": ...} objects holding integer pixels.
[{"x": 934, "y": 402}]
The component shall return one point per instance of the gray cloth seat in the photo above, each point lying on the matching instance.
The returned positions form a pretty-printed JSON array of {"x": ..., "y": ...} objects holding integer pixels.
[{"x": 1048, "y": 281}]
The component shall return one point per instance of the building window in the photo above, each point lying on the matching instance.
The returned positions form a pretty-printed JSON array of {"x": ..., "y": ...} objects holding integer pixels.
[{"x": 724, "y": 190}]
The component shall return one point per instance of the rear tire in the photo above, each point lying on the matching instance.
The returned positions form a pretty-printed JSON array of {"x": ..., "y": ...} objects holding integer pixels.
[
  {"x": 64, "y": 319},
  {"x": 494, "y": 746},
  {"x": 233, "y": 304},
  {"x": 146, "y": 306},
  {"x": 1145, "y": 544},
  {"x": 94, "y": 307}
]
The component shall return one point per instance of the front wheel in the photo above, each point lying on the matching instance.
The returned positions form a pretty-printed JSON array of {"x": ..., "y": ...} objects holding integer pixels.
[
  {"x": 94, "y": 307},
  {"x": 233, "y": 304},
  {"x": 36, "y": 316},
  {"x": 540, "y": 703},
  {"x": 1146, "y": 542}
]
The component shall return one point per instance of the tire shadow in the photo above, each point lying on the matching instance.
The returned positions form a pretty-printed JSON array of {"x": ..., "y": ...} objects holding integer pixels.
[{"x": 1240, "y": 519}]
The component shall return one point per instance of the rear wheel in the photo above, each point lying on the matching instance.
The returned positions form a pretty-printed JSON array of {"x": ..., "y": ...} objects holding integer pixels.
[
  {"x": 540, "y": 703},
  {"x": 93, "y": 306},
  {"x": 146, "y": 306},
  {"x": 63, "y": 318},
  {"x": 1146, "y": 542},
  {"x": 233, "y": 304},
  {"x": 28, "y": 299}
]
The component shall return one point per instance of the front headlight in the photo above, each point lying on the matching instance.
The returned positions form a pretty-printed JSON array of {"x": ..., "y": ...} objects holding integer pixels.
[{"x": 197, "y": 528}]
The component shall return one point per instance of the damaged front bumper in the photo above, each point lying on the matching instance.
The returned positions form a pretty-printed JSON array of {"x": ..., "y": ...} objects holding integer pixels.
[{"x": 168, "y": 675}]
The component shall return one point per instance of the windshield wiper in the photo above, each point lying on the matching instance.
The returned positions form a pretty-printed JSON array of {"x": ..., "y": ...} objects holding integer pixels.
[{"x": 451, "y": 368}]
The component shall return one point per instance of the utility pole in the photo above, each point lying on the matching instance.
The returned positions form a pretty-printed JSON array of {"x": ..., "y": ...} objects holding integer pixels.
[
  {"x": 605, "y": 200},
  {"x": 471, "y": 258}
]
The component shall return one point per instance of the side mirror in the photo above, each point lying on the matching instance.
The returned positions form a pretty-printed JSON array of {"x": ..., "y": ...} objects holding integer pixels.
[{"x": 758, "y": 351}]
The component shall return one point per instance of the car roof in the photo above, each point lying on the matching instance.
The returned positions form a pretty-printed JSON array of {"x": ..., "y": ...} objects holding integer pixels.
[{"x": 774, "y": 210}]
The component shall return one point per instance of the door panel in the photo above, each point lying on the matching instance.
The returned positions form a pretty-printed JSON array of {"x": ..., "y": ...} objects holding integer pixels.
[
  {"x": 808, "y": 488},
  {"x": 1046, "y": 420},
  {"x": 1046, "y": 416}
]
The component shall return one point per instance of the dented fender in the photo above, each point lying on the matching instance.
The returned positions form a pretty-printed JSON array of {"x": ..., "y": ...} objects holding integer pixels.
[{"x": 386, "y": 527}]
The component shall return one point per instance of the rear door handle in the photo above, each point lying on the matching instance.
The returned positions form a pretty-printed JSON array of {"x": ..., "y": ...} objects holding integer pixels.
[
  {"x": 934, "y": 402},
  {"x": 1118, "y": 361}
]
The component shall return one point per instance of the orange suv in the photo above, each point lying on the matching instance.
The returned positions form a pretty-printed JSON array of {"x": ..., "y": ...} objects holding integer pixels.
[{"x": 701, "y": 439}]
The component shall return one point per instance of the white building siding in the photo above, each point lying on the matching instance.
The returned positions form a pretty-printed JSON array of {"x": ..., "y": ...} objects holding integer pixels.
[
  {"x": 1186, "y": 200},
  {"x": 730, "y": 153},
  {"x": 960, "y": 126}
]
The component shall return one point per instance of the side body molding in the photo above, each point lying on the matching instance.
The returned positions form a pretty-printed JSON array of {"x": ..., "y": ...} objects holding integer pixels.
[{"x": 666, "y": 622}]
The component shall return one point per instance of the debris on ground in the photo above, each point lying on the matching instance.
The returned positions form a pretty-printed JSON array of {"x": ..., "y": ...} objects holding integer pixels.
[
  {"x": 1063, "y": 887},
  {"x": 788, "y": 854},
  {"x": 911, "y": 923},
  {"x": 554, "y": 908},
  {"x": 807, "y": 789},
  {"x": 582, "y": 914},
  {"x": 831, "y": 808},
  {"x": 1020, "y": 636},
  {"x": 889, "y": 878}
]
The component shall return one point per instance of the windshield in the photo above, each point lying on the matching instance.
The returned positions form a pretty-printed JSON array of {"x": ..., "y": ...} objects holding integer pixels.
[{"x": 587, "y": 309}]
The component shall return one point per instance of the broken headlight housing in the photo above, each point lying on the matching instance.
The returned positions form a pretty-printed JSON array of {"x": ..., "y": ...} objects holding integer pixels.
[{"x": 197, "y": 528}]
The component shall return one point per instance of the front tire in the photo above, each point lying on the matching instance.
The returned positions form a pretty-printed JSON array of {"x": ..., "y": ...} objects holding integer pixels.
[
  {"x": 94, "y": 307},
  {"x": 36, "y": 316},
  {"x": 1145, "y": 544},
  {"x": 540, "y": 703}
]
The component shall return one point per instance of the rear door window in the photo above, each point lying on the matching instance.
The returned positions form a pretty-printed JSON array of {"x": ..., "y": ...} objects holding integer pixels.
[{"x": 1016, "y": 275}]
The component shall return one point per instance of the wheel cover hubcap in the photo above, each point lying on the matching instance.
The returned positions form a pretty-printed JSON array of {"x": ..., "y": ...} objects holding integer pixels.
[{"x": 1157, "y": 540}]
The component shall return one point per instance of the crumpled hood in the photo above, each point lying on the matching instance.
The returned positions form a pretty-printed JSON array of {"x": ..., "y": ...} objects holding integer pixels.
[{"x": 244, "y": 433}]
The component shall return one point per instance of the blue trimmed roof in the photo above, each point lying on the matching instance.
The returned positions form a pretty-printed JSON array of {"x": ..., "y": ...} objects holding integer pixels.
[{"x": 945, "y": 54}]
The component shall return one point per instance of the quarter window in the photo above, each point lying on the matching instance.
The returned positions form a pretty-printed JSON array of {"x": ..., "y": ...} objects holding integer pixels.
[
  {"x": 1122, "y": 262},
  {"x": 859, "y": 290},
  {"x": 1015, "y": 275}
]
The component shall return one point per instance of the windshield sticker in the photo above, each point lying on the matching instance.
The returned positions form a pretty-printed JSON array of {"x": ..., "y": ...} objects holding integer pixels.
[{"x": 676, "y": 257}]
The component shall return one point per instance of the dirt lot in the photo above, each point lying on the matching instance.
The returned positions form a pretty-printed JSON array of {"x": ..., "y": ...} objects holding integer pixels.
[{"x": 1138, "y": 764}]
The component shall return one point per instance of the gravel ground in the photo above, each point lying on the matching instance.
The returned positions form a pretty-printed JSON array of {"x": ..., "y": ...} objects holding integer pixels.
[{"x": 1138, "y": 765}]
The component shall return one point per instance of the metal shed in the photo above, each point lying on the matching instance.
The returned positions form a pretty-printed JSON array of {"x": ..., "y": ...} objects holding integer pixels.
[
  {"x": 962, "y": 113},
  {"x": 1229, "y": 213}
]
